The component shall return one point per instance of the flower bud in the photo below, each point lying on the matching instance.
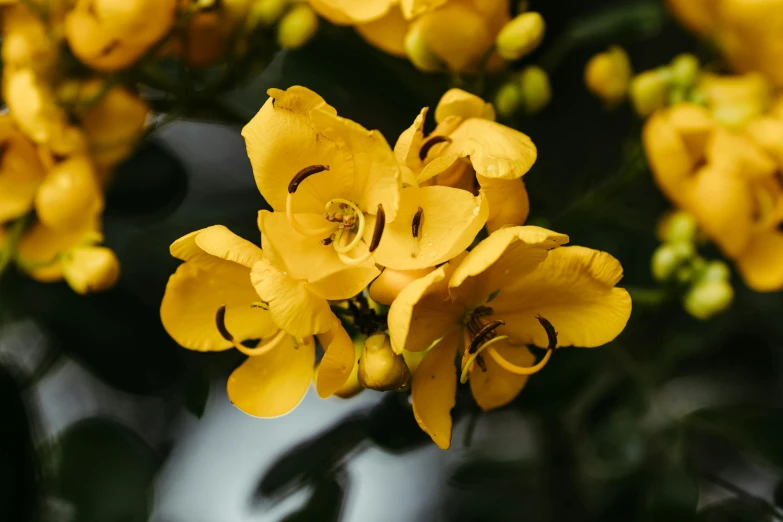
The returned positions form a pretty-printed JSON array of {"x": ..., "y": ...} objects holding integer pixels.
[
  {"x": 520, "y": 36},
  {"x": 677, "y": 226},
  {"x": 536, "y": 90},
  {"x": 267, "y": 12},
  {"x": 607, "y": 75},
  {"x": 90, "y": 269},
  {"x": 390, "y": 283},
  {"x": 649, "y": 91},
  {"x": 685, "y": 70},
  {"x": 297, "y": 27},
  {"x": 668, "y": 257},
  {"x": 419, "y": 52},
  {"x": 508, "y": 99},
  {"x": 708, "y": 298},
  {"x": 715, "y": 271},
  {"x": 69, "y": 194},
  {"x": 380, "y": 368}
]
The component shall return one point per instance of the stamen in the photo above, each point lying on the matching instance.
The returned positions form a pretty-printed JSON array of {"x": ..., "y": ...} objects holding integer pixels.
[
  {"x": 289, "y": 212},
  {"x": 518, "y": 370},
  {"x": 220, "y": 322},
  {"x": 469, "y": 363},
  {"x": 380, "y": 222},
  {"x": 551, "y": 333},
  {"x": 484, "y": 333},
  {"x": 303, "y": 175},
  {"x": 416, "y": 230},
  {"x": 353, "y": 261},
  {"x": 328, "y": 240},
  {"x": 425, "y": 148},
  {"x": 259, "y": 304},
  {"x": 358, "y": 214}
]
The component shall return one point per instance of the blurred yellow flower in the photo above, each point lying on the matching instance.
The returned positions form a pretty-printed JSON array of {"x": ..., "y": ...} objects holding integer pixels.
[
  {"x": 69, "y": 195},
  {"x": 608, "y": 75},
  {"x": 89, "y": 269},
  {"x": 21, "y": 172},
  {"x": 515, "y": 288},
  {"x": 27, "y": 42},
  {"x": 468, "y": 150}
]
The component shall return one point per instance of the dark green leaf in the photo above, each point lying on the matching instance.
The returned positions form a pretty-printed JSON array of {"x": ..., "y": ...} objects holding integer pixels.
[{"x": 106, "y": 472}]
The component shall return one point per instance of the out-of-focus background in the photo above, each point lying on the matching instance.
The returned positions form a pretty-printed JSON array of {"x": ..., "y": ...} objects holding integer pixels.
[{"x": 105, "y": 418}]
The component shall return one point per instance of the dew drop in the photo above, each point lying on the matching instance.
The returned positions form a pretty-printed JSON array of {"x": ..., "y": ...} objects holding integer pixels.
[{"x": 429, "y": 243}]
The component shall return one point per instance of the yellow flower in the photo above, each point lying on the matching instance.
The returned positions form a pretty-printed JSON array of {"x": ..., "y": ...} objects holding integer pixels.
[
  {"x": 380, "y": 368},
  {"x": 27, "y": 42},
  {"x": 608, "y": 75},
  {"x": 89, "y": 269},
  {"x": 21, "y": 172},
  {"x": 726, "y": 177},
  {"x": 521, "y": 35},
  {"x": 69, "y": 195},
  {"x": 109, "y": 35},
  {"x": 327, "y": 179},
  {"x": 209, "y": 306},
  {"x": 470, "y": 151},
  {"x": 515, "y": 288}
]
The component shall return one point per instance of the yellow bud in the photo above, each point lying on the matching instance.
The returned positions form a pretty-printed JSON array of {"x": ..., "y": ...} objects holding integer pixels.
[
  {"x": 508, "y": 99},
  {"x": 419, "y": 53},
  {"x": 677, "y": 226},
  {"x": 715, "y": 271},
  {"x": 380, "y": 368},
  {"x": 668, "y": 257},
  {"x": 297, "y": 27},
  {"x": 520, "y": 36},
  {"x": 69, "y": 195},
  {"x": 708, "y": 298},
  {"x": 90, "y": 269},
  {"x": 390, "y": 283},
  {"x": 685, "y": 70},
  {"x": 267, "y": 12},
  {"x": 650, "y": 91},
  {"x": 607, "y": 75},
  {"x": 536, "y": 90}
]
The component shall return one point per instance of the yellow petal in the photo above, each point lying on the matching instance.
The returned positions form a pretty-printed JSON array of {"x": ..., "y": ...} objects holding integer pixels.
[
  {"x": 387, "y": 33},
  {"x": 410, "y": 141},
  {"x": 293, "y": 306},
  {"x": 193, "y": 296},
  {"x": 21, "y": 172},
  {"x": 434, "y": 389},
  {"x": 767, "y": 133},
  {"x": 574, "y": 289},
  {"x": 508, "y": 202},
  {"x": 338, "y": 360},
  {"x": 694, "y": 125},
  {"x": 348, "y": 12},
  {"x": 697, "y": 15},
  {"x": 464, "y": 105},
  {"x": 496, "y": 151},
  {"x": 422, "y": 313},
  {"x": 414, "y": 8},
  {"x": 496, "y": 387},
  {"x": 272, "y": 384},
  {"x": 670, "y": 161},
  {"x": 729, "y": 151},
  {"x": 209, "y": 246},
  {"x": 42, "y": 245},
  {"x": 90, "y": 269},
  {"x": 306, "y": 259},
  {"x": 69, "y": 194},
  {"x": 461, "y": 50},
  {"x": 761, "y": 262},
  {"x": 385, "y": 289},
  {"x": 450, "y": 220},
  {"x": 507, "y": 253}
]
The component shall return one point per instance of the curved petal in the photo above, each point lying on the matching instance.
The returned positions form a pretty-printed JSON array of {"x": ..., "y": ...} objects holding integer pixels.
[
  {"x": 386, "y": 33},
  {"x": 573, "y": 288},
  {"x": 496, "y": 387},
  {"x": 272, "y": 384},
  {"x": 508, "y": 202},
  {"x": 348, "y": 12},
  {"x": 42, "y": 245},
  {"x": 422, "y": 313},
  {"x": 670, "y": 161},
  {"x": 456, "y": 102},
  {"x": 434, "y": 389},
  {"x": 461, "y": 50},
  {"x": 506, "y": 254},
  {"x": 338, "y": 360},
  {"x": 193, "y": 296},
  {"x": 496, "y": 151},
  {"x": 21, "y": 172},
  {"x": 761, "y": 262},
  {"x": 414, "y": 8},
  {"x": 210, "y": 246},
  {"x": 385, "y": 289},
  {"x": 450, "y": 220},
  {"x": 410, "y": 141},
  {"x": 293, "y": 306}
]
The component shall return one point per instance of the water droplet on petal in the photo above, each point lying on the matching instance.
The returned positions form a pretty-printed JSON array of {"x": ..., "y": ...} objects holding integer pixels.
[{"x": 429, "y": 243}]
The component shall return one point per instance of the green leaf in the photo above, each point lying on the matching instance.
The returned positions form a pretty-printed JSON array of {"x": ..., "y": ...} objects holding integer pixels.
[{"x": 106, "y": 472}]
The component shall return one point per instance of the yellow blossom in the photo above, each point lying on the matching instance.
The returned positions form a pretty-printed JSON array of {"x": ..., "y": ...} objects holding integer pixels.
[
  {"x": 517, "y": 287},
  {"x": 69, "y": 195},
  {"x": 521, "y": 35},
  {"x": 27, "y": 42},
  {"x": 90, "y": 269},
  {"x": 469, "y": 150},
  {"x": 608, "y": 75},
  {"x": 21, "y": 172},
  {"x": 380, "y": 368},
  {"x": 297, "y": 27}
]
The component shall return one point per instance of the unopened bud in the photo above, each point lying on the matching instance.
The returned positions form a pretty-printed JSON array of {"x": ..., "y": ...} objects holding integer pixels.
[
  {"x": 677, "y": 226},
  {"x": 380, "y": 368},
  {"x": 536, "y": 90},
  {"x": 684, "y": 70},
  {"x": 708, "y": 298},
  {"x": 715, "y": 271},
  {"x": 650, "y": 91},
  {"x": 297, "y": 27},
  {"x": 90, "y": 269},
  {"x": 68, "y": 195},
  {"x": 668, "y": 257},
  {"x": 267, "y": 12},
  {"x": 520, "y": 36},
  {"x": 508, "y": 100},
  {"x": 607, "y": 75},
  {"x": 419, "y": 52},
  {"x": 390, "y": 283}
]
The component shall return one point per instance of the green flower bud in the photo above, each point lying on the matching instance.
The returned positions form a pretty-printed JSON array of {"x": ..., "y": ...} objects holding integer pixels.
[
  {"x": 715, "y": 271},
  {"x": 668, "y": 257},
  {"x": 650, "y": 90},
  {"x": 520, "y": 36},
  {"x": 678, "y": 226},
  {"x": 419, "y": 53},
  {"x": 536, "y": 90},
  {"x": 708, "y": 298},
  {"x": 267, "y": 12},
  {"x": 380, "y": 368},
  {"x": 508, "y": 99},
  {"x": 297, "y": 27},
  {"x": 685, "y": 70}
]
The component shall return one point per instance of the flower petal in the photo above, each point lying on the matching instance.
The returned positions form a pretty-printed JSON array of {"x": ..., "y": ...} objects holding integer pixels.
[
  {"x": 42, "y": 245},
  {"x": 408, "y": 145},
  {"x": 338, "y": 360},
  {"x": 573, "y": 288},
  {"x": 386, "y": 33},
  {"x": 210, "y": 246},
  {"x": 464, "y": 105},
  {"x": 496, "y": 387},
  {"x": 272, "y": 384},
  {"x": 293, "y": 306},
  {"x": 508, "y": 202},
  {"x": 761, "y": 262},
  {"x": 434, "y": 389},
  {"x": 450, "y": 220},
  {"x": 670, "y": 161},
  {"x": 193, "y": 296},
  {"x": 349, "y": 12},
  {"x": 461, "y": 50}
]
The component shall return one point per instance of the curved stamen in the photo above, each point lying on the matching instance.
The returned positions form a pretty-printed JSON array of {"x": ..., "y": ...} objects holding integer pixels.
[
  {"x": 338, "y": 245},
  {"x": 425, "y": 148},
  {"x": 220, "y": 322},
  {"x": 469, "y": 363},
  {"x": 482, "y": 334},
  {"x": 551, "y": 333},
  {"x": 416, "y": 223},
  {"x": 303, "y": 175},
  {"x": 380, "y": 223},
  {"x": 353, "y": 261},
  {"x": 519, "y": 370},
  {"x": 289, "y": 212}
]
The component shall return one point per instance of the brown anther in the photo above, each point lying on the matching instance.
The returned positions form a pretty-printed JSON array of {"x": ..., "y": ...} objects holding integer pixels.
[
  {"x": 338, "y": 216},
  {"x": 416, "y": 223},
  {"x": 425, "y": 148},
  {"x": 551, "y": 333},
  {"x": 303, "y": 175},
  {"x": 328, "y": 240},
  {"x": 486, "y": 332},
  {"x": 380, "y": 223},
  {"x": 220, "y": 322}
]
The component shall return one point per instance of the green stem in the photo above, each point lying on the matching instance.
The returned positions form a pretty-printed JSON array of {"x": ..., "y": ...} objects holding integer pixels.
[{"x": 8, "y": 252}]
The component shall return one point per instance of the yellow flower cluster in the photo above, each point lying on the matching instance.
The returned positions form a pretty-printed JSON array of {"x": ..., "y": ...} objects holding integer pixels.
[
  {"x": 348, "y": 213},
  {"x": 722, "y": 163},
  {"x": 454, "y": 35}
]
